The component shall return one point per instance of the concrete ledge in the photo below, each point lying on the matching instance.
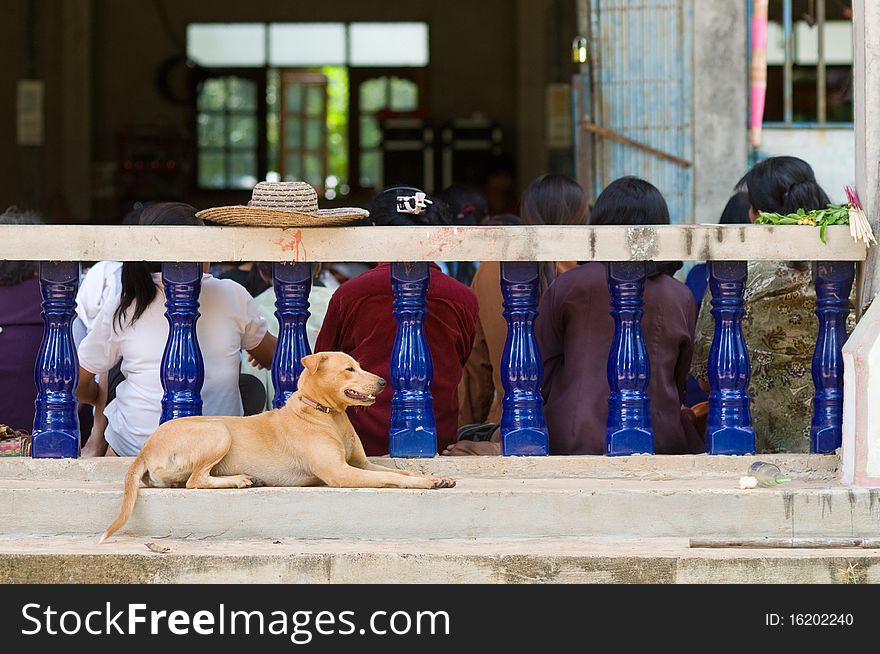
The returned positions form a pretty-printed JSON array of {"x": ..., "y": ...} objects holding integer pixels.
[
  {"x": 807, "y": 467},
  {"x": 527, "y": 243},
  {"x": 70, "y": 560},
  {"x": 476, "y": 508}
]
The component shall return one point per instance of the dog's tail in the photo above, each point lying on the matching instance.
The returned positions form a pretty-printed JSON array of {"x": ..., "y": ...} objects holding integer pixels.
[{"x": 129, "y": 497}]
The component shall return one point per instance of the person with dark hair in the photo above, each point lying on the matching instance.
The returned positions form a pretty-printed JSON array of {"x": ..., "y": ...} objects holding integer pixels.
[
  {"x": 780, "y": 323},
  {"x": 481, "y": 391},
  {"x": 133, "y": 328},
  {"x": 21, "y": 331},
  {"x": 360, "y": 322},
  {"x": 575, "y": 330},
  {"x": 100, "y": 283},
  {"x": 550, "y": 199},
  {"x": 468, "y": 206},
  {"x": 554, "y": 199}
]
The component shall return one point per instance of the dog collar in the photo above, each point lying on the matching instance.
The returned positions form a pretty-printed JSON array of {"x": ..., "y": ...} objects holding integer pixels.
[{"x": 315, "y": 405}]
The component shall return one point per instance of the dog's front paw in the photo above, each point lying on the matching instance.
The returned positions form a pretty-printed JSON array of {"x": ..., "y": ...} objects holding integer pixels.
[
  {"x": 244, "y": 481},
  {"x": 442, "y": 482}
]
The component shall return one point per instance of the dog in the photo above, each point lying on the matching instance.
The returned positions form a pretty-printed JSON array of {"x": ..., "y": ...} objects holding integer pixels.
[{"x": 308, "y": 442}]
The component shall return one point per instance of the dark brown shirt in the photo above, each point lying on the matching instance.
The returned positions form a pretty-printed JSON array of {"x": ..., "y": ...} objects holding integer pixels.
[{"x": 574, "y": 329}]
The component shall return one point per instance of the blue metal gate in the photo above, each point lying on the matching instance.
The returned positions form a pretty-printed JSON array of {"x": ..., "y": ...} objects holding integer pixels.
[{"x": 633, "y": 104}]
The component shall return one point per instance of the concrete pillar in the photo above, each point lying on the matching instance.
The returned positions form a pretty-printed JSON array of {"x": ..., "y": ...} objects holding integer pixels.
[
  {"x": 861, "y": 354},
  {"x": 720, "y": 104},
  {"x": 861, "y": 413},
  {"x": 76, "y": 103},
  {"x": 866, "y": 91}
]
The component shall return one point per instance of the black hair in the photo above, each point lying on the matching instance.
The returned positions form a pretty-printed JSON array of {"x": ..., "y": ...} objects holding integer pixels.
[
  {"x": 15, "y": 272},
  {"x": 736, "y": 211},
  {"x": 467, "y": 204},
  {"x": 630, "y": 201},
  {"x": 384, "y": 209},
  {"x": 138, "y": 288},
  {"x": 633, "y": 201},
  {"x": 783, "y": 185},
  {"x": 554, "y": 199}
]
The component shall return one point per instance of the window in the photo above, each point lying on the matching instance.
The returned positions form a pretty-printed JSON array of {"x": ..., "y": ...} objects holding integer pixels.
[
  {"x": 229, "y": 131},
  {"x": 379, "y": 96},
  {"x": 809, "y": 62},
  {"x": 309, "y": 125},
  {"x": 304, "y": 128}
]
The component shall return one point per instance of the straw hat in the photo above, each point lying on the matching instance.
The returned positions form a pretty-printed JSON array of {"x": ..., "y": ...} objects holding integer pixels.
[{"x": 283, "y": 204}]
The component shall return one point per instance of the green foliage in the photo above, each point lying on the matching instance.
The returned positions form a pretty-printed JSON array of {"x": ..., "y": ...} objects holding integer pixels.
[
  {"x": 337, "y": 121},
  {"x": 833, "y": 214}
]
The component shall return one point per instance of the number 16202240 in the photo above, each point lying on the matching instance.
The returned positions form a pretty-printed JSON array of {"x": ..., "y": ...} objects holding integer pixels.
[{"x": 809, "y": 620}]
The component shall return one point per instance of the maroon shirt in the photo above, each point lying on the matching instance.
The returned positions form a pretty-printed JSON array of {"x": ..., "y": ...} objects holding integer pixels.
[
  {"x": 359, "y": 322},
  {"x": 21, "y": 331},
  {"x": 575, "y": 329}
]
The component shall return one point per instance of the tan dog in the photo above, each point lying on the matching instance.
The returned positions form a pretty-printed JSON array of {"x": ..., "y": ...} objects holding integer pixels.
[{"x": 308, "y": 442}]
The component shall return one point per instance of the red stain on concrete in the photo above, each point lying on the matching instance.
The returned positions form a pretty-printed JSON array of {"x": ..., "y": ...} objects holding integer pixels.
[{"x": 294, "y": 245}]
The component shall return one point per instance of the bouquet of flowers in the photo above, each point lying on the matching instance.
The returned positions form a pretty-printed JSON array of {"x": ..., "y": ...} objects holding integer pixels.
[{"x": 851, "y": 214}]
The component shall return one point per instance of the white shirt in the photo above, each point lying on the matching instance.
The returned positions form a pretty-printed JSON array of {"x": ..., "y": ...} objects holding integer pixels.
[
  {"x": 100, "y": 285},
  {"x": 229, "y": 322}
]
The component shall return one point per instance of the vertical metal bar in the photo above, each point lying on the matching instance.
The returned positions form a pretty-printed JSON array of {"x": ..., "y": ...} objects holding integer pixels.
[
  {"x": 788, "y": 70},
  {"x": 834, "y": 280},
  {"x": 182, "y": 369},
  {"x": 729, "y": 426},
  {"x": 56, "y": 424},
  {"x": 523, "y": 427},
  {"x": 413, "y": 430},
  {"x": 628, "y": 430},
  {"x": 821, "y": 80},
  {"x": 293, "y": 282}
]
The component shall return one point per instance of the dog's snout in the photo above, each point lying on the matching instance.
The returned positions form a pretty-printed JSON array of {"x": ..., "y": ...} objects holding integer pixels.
[{"x": 382, "y": 383}]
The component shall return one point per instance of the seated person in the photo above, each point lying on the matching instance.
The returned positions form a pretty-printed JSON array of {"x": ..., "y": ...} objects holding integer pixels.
[
  {"x": 780, "y": 323},
  {"x": 575, "y": 330},
  {"x": 21, "y": 331},
  {"x": 132, "y": 327},
  {"x": 360, "y": 322}
]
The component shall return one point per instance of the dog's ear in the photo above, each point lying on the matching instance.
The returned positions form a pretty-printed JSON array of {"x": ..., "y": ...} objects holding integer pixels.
[{"x": 313, "y": 361}]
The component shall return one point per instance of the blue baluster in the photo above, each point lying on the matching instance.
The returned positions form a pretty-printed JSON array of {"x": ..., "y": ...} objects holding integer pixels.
[
  {"x": 413, "y": 431},
  {"x": 628, "y": 430},
  {"x": 523, "y": 428},
  {"x": 834, "y": 280},
  {"x": 56, "y": 424},
  {"x": 293, "y": 282},
  {"x": 729, "y": 426},
  {"x": 183, "y": 369}
]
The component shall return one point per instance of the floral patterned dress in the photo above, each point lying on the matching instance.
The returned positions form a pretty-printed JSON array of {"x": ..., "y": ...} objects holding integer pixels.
[{"x": 780, "y": 328}]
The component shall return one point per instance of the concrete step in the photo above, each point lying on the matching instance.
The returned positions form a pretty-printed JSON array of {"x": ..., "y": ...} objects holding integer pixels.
[
  {"x": 487, "y": 508},
  {"x": 66, "y": 559},
  {"x": 807, "y": 467}
]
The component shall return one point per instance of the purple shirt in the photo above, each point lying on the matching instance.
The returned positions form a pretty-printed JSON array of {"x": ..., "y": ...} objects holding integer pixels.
[
  {"x": 574, "y": 330},
  {"x": 21, "y": 330}
]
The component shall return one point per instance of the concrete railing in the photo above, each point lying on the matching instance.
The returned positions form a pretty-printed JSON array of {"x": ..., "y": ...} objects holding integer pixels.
[{"x": 524, "y": 432}]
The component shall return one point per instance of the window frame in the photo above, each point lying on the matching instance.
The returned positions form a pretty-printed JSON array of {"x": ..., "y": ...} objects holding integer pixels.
[
  {"x": 200, "y": 74},
  {"x": 788, "y": 121},
  {"x": 356, "y": 77}
]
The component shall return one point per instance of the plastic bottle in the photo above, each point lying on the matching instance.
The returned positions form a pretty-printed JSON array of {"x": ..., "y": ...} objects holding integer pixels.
[{"x": 767, "y": 474}]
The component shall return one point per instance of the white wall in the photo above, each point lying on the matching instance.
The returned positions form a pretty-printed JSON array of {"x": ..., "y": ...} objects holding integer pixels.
[{"x": 831, "y": 153}]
